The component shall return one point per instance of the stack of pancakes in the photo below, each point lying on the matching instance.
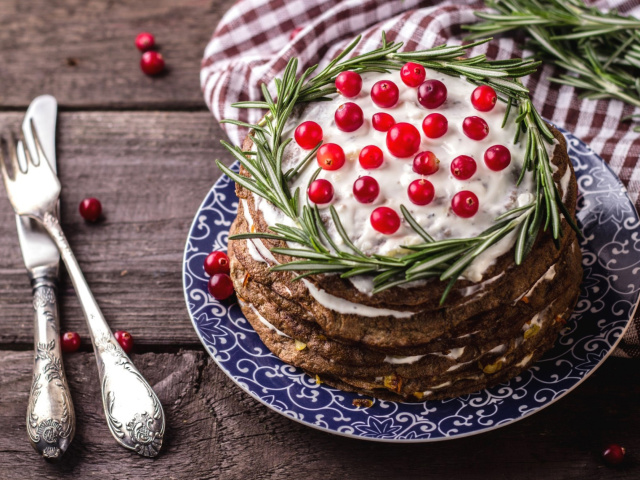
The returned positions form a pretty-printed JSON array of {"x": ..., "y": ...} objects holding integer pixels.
[{"x": 400, "y": 344}]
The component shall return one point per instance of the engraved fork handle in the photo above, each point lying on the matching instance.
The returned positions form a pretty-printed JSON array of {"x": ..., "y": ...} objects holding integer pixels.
[
  {"x": 51, "y": 420},
  {"x": 132, "y": 409}
]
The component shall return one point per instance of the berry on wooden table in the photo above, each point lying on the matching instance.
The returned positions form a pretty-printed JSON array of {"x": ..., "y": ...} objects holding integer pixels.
[
  {"x": 152, "y": 63},
  {"x": 308, "y": 135},
  {"x": 382, "y": 122},
  {"x": 370, "y": 157},
  {"x": 349, "y": 117},
  {"x": 435, "y": 125},
  {"x": 403, "y": 140},
  {"x": 216, "y": 262},
  {"x": 465, "y": 204},
  {"x": 330, "y": 156},
  {"x": 412, "y": 74},
  {"x": 614, "y": 454},
  {"x": 484, "y": 98},
  {"x": 385, "y": 220},
  {"x": 475, "y": 128},
  {"x": 320, "y": 191},
  {"x": 432, "y": 93},
  {"x": 463, "y": 167},
  {"x": 70, "y": 342},
  {"x": 125, "y": 340},
  {"x": 90, "y": 209},
  {"x": 426, "y": 163},
  {"x": 220, "y": 286},
  {"x": 349, "y": 84},
  {"x": 421, "y": 192},
  {"x": 145, "y": 41},
  {"x": 366, "y": 189},
  {"x": 497, "y": 157},
  {"x": 385, "y": 94}
]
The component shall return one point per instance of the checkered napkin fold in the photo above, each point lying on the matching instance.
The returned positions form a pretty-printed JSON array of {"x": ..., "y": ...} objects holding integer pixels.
[{"x": 252, "y": 45}]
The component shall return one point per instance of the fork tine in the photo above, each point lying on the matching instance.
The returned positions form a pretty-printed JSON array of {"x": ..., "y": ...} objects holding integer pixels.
[
  {"x": 13, "y": 156},
  {"x": 36, "y": 141}
]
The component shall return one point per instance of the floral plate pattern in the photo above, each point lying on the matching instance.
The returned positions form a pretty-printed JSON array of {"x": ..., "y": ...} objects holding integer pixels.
[{"x": 609, "y": 296}]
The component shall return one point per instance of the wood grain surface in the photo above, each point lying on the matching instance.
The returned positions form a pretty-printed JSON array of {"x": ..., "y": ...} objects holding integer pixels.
[
  {"x": 145, "y": 147},
  {"x": 214, "y": 430}
]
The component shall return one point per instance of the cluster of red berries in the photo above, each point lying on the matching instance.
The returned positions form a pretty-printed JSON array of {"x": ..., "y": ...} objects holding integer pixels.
[
  {"x": 402, "y": 140},
  {"x": 70, "y": 341},
  {"x": 151, "y": 62},
  {"x": 216, "y": 265}
]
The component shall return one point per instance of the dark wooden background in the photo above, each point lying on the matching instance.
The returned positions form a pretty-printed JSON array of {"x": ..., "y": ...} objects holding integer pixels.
[{"x": 145, "y": 147}]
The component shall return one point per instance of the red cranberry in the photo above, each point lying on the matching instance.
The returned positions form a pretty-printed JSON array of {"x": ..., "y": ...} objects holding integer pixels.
[
  {"x": 152, "y": 63},
  {"x": 145, "y": 41},
  {"x": 125, "y": 340},
  {"x": 463, "y": 167},
  {"x": 349, "y": 117},
  {"x": 70, "y": 342},
  {"x": 421, "y": 191},
  {"x": 475, "y": 128},
  {"x": 330, "y": 156},
  {"x": 220, "y": 286},
  {"x": 349, "y": 84},
  {"x": 432, "y": 93},
  {"x": 465, "y": 204},
  {"x": 385, "y": 94},
  {"x": 370, "y": 157},
  {"x": 435, "y": 125},
  {"x": 385, "y": 220},
  {"x": 426, "y": 163},
  {"x": 294, "y": 33},
  {"x": 382, "y": 122},
  {"x": 308, "y": 135},
  {"x": 484, "y": 98},
  {"x": 216, "y": 262},
  {"x": 614, "y": 454},
  {"x": 412, "y": 74},
  {"x": 497, "y": 157},
  {"x": 403, "y": 140},
  {"x": 90, "y": 209},
  {"x": 366, "y": 189},
  {"x": 320, "y": 191}
]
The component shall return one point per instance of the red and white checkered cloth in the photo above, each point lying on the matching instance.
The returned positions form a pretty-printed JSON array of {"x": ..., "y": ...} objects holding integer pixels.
[{"x": 252, "y": 45}]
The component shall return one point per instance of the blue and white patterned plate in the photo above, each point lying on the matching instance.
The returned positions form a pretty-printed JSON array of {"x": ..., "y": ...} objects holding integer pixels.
[{"x": 609, "y": 296}]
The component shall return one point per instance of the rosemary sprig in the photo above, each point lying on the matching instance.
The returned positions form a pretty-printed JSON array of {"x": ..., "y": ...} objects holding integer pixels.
[
  {"x": 307, "y": 237},
  {"x": 600, "y": 51}
]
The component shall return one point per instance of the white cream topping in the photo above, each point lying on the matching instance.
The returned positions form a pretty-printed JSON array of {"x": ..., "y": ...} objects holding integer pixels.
[
  {"x": 564, "y": 183},
  {"x": 402, "y": 360},
  {"x": 496, "y": 191},
  {"x": 498, "y": 349},
  {"x": 346, "y": 307},
  {"x": 256, "y": 248},
  {"x": 525, "y": 360},
  {"x": 453, "y": 354}
]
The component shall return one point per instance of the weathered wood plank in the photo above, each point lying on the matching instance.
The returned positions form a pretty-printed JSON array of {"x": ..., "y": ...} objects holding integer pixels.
[
  {"x": 84, "y": 53},
  {"x": 150, "y": 171},
  {"x": 217, "y": 431}
]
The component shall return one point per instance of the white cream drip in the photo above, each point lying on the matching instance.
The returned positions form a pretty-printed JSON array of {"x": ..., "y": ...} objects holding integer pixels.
[
  {"x": 549, "y": 275},
  {"x": 265, "y": 322},
  {"x": 346, "y": 307},
  {"x": 525, "y": 360},
  {"x": 453, "y": 354},
  {"x": 402, "y": 360}
]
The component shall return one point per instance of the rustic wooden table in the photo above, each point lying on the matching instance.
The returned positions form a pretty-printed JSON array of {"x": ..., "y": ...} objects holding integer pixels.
[{"x": 145, "y": 147}]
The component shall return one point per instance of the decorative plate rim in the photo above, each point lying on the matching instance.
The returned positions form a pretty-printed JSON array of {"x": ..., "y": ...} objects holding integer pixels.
[{"x": 495, "y": 426}]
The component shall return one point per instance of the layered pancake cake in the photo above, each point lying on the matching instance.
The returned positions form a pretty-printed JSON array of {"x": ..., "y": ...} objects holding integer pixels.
[{"x": 404, "y": 342}]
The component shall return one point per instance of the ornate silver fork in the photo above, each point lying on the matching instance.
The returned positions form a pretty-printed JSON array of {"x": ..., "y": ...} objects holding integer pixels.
[{"x": 132, "y": 409}]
